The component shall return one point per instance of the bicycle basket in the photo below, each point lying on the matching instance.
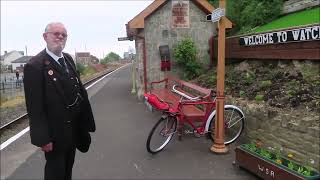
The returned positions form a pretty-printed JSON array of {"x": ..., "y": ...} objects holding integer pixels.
[{"x": 156, "y": 102}]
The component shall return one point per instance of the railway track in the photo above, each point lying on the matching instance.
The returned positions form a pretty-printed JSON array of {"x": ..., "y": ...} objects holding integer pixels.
[{"x": 21, "y": 122}]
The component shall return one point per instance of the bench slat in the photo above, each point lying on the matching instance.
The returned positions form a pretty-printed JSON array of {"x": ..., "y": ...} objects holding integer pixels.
[{"x": 173, "y": 99}]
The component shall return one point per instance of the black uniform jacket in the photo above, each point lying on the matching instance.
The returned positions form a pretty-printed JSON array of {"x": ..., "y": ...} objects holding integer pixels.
[{"x": 47, "y": 102}]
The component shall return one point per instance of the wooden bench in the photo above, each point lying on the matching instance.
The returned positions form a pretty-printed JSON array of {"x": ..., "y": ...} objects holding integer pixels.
[{"x": 164, "y": 91}]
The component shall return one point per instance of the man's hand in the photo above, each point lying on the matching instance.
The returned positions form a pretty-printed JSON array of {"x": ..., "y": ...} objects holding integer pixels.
[{"x": 47, "y": 148}]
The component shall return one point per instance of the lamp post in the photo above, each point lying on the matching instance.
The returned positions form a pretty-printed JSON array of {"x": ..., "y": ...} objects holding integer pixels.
[{"x": 219, "y": 146}]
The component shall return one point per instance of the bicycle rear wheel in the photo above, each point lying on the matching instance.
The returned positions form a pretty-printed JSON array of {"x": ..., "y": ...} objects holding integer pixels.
[
  {"x": 161, "y": 134},
  {"x": 233, "y": 125}
]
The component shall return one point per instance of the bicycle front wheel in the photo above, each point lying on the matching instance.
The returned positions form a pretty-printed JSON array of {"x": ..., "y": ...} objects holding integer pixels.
[
  {"x": 233, "y": 125},
  {"x": 161, "y": 134}
]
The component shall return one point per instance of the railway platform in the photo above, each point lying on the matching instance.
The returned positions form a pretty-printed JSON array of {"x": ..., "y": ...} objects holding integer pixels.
[{"x": 118, "y": 149}]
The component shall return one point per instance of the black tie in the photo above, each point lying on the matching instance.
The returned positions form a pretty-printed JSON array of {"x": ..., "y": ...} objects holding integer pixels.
[{"x": 63, "y": 63}]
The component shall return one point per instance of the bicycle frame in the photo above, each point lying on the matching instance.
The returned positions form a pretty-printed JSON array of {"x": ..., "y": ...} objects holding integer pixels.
[
  {"x": 182, "y": 119},
  {"x": 176, "y": 111}
]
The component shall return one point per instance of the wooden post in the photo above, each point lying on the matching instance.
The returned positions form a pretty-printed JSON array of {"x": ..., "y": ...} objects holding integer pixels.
[{"x": 219, "y": 146}]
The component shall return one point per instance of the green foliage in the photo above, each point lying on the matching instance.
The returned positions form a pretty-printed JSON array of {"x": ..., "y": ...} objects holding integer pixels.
[
  {"x": 104, "y": 61},
  {"x": 310, "y": 16},
  {"x": 242, "y": 93},
  {"x": 185, "y": 53},
  {"x": 277, "y": 158},
  {"x": 300, "y": 170},
  {"x": 251, "y": 13},
  {"x": 259, "y": 97},
  {"x": 264, "y": 84},
  {"x": 265, "y": 153},
  {"x": 252, "y": 147},
  {"x": 250, "y": 77},
  {"x": 290, "y": 93},
  {"x": 110, "y": 57},
  {"x": 89, "y": 70},
  {"x": 278, "y": 153},
  {"x": 291, "y": 165},
  {"x": 307, "y": 171},
  {"x": 309, "y": 73},
  {"x": 80, "y": 67}
]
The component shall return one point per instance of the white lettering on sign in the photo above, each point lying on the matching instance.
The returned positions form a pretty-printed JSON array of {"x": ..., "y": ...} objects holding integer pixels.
[
  {"x": 266, "y": 171},
  {"x": 294, "y": 35},
  {"x": 313, "y": 33},
  {"x": 260, "y": 39},
  {"x": 217, "y": 14}
]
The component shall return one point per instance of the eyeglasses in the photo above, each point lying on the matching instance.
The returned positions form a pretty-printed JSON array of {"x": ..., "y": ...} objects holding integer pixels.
[{"x": 57, "y": 34}]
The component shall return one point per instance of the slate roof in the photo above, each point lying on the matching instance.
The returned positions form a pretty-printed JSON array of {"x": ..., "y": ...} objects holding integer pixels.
[{"x": 23, "y": 59}]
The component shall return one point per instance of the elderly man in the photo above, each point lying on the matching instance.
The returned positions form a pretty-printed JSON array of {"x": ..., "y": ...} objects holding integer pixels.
[{"x": 57, "y": 104}]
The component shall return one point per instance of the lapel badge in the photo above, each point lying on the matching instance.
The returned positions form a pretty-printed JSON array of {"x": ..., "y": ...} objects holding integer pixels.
[
  {"x": 46, "y": 62},
  {"x": 50, "y": 72},
  {"x": 54, "y": 79}
]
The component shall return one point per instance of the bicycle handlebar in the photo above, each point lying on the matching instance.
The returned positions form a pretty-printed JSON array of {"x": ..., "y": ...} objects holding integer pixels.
[{"x": 183, "y": 94}]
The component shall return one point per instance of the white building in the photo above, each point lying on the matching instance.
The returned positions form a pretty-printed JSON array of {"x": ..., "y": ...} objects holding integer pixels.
[
  {"x": 19, "y": 63},
  {"x": 7, "y": 58}
]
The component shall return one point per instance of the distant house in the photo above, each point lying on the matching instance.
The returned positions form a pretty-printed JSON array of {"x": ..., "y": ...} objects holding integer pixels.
[
  {"x": 19, "y": 63},
  {"x": 85, "y": 58},
  {"x": 128, "y": 56},
  {"x": 8, "y": 57}
]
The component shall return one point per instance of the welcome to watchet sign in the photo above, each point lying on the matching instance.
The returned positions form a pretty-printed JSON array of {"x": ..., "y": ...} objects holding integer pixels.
[{"x": 310, "y": 33}]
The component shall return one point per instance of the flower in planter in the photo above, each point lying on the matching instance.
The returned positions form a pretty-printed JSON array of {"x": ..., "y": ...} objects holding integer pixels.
[
  {"x": 273, "y": 157},
  {"x": 278, "y": 155},
  {"x": 279, "y": 161},
  {"x": 259, "y": 143}
]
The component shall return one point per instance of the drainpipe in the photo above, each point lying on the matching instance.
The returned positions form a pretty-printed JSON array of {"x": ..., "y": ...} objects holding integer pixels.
[{"x": 144, "y": 62}]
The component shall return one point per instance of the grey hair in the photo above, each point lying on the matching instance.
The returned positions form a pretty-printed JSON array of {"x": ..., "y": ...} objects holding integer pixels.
[{"x": 50, "y": 24}]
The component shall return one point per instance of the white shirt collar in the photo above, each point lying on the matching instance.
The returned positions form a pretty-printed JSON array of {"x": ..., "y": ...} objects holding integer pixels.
[{"x": 55, "y": 57}]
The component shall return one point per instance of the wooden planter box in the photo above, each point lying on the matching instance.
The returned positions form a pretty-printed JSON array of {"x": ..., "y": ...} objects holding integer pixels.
[{"x": 267, "y": 169}]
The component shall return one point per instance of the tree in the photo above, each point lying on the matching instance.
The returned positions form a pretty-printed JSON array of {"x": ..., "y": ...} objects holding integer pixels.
[
  {"x": 104, "y": 61},
  {"x": 112, "y": 57},
  {"x": 247, "y": 14}
]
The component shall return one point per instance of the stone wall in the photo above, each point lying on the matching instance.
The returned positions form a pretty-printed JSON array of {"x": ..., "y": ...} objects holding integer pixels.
[
  {"x": 158, "y": 31},
  {"x": 138, "y": 64},
  {"x": 293, "y": 131},
  {"x": 297, "y": 5}
]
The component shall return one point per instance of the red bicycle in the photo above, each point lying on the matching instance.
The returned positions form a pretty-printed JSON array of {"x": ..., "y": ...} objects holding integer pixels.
[{"x": 174, "y": 118}]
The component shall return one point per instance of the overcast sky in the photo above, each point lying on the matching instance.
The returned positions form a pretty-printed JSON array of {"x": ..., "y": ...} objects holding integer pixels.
[{"x": 93, "y": 26}]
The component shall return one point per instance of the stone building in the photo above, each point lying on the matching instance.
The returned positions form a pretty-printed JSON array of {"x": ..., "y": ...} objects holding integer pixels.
[
  {"x": 166, "y": 22},
  {"x": 85, "y": 58}
]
